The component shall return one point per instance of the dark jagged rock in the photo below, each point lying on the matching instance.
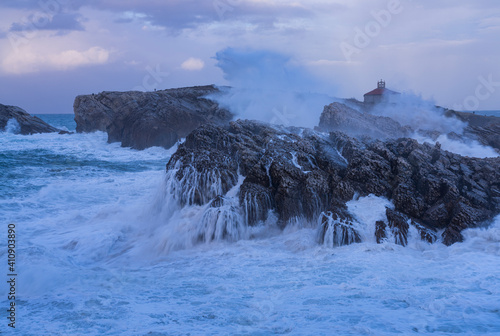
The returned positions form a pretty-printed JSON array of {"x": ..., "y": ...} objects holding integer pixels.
[
  {"x": 426, "y": 234},
  {"x": 145, "y": 119},
  {"x": 28, "y": 124},
  {"x": 399, "y": 226},
  {"x": 303, "y": 174},
  {"x": 380, "y": 233}
]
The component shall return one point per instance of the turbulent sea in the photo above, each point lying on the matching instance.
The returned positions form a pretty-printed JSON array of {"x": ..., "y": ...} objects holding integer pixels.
[{"x": 97, "y": 255}]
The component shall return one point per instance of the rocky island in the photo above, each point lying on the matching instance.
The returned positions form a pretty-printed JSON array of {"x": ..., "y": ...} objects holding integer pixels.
[{"x": 27, "y": 124}]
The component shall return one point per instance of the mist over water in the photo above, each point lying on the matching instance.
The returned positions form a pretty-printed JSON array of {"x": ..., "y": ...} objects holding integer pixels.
[{"x": 411, "y": 110}]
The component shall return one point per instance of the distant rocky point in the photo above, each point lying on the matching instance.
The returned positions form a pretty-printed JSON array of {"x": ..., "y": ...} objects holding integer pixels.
[
  {"x": 145, "y": 119},
  {"x": 354, "y": 118},
  {"x": 485, "y": 129},
  {"x": 26, "y": 123}
]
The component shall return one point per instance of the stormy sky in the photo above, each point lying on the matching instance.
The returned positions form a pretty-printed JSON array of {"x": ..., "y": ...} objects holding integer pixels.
[{"x": 52, "y": 50}]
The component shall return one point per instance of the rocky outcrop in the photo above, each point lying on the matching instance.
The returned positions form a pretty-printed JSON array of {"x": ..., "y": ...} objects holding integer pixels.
[
  {"x": 340, "y": 117},
  {"x": 24, "y": 122},
  {"x": 484, "y": 129},
  {"x": 144, "y": 119},
  {"x": 354, "y": 119},
  {"x": 304, "y": 175}
]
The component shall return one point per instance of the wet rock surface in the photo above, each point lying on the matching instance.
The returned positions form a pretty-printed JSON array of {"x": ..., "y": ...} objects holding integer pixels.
[
  {"x": 308, "y": 175},
  {"x": 26, "y": 123},
  {"x": 145, "y": 119}
]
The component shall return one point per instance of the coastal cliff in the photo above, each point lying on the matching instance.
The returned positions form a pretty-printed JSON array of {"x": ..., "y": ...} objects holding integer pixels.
[{"x": 144, "y": 119}]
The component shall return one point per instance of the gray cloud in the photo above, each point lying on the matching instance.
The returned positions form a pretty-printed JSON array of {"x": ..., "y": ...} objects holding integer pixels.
[
  {"x": 58, "y": 22},
  {"x": 191, "y": 13},
  {"x": 43, "y": 5},
  {"x": 174, "y": 15},
  {"x": 31, "y": 4}
]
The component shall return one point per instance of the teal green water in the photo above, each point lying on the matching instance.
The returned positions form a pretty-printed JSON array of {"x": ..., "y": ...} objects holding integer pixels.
[{"x": 66, "y": 121}]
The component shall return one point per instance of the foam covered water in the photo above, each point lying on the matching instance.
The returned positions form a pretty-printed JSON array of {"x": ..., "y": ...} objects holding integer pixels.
[{"x": 102, "y": 253}]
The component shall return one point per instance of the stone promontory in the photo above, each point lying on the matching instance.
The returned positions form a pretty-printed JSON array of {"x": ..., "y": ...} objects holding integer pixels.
[
  {"x": 145, "y": 119},
  {"x": 22, "y": 122},
  {"x": 303, "y": 174}
]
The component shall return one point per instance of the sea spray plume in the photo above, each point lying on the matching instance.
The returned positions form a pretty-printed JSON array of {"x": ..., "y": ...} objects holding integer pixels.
[
  {"x": 412, "y": 110},
  {"x": 258, "y": 69},
  {"x": 464, "y": 147},
  {"x": 270, "y": 87},
  {"x": 13, "y": 126},
  {"x": 432, "y": 125}
]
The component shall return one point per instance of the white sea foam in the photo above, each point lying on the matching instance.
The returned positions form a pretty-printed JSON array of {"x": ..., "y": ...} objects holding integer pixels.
[
  {"x": 467, "y": 147},
  {"x": 93, "y": 260}
]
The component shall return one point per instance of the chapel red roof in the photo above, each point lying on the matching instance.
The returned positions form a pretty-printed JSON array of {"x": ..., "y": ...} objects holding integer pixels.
[{"x": 380, "y": 90}]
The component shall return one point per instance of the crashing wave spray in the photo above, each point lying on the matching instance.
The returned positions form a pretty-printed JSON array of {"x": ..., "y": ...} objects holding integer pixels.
[
  {"x": 196, "y": 207},
  {"x": 268, "y": 86},
  {"x": 411, "y": 110},
  {"x": 432, "y": 125},
  {"x": 367, "y": 220},
  {"x": 335, "y": 231},
  {"x": 13, "y": 126}
]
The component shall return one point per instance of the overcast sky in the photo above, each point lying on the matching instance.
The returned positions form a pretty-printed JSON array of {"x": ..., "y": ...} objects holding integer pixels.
[{"x": 53, "y": 50}]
